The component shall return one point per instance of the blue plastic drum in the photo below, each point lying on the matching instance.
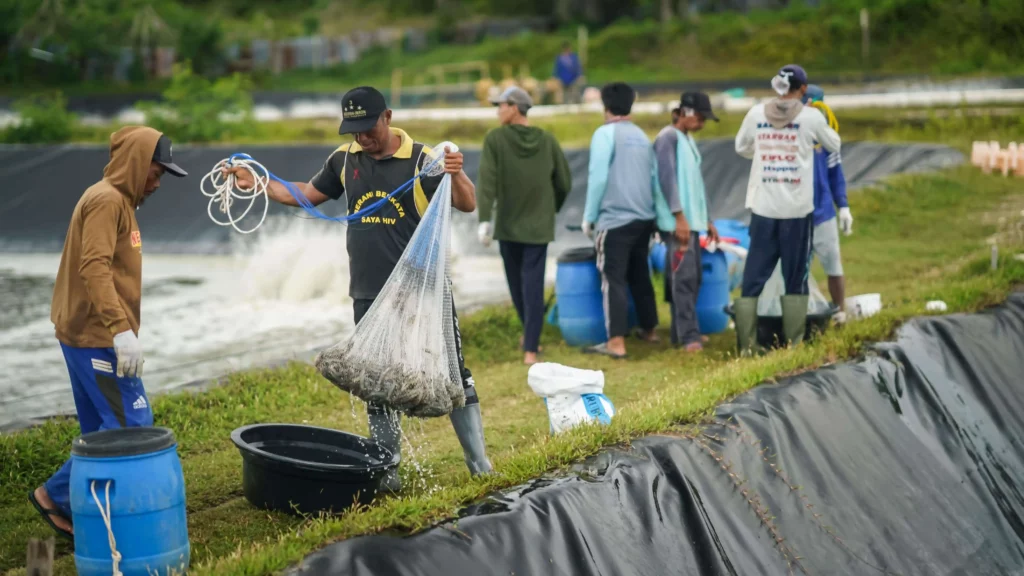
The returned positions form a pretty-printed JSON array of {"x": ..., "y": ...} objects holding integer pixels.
[
  {"x": 138, "y": 472},
  {"x": 580, "y": 308},
  {"x": 714, "y": 293},
  {"x": 740, "y": 231},
  {"x": 657, "y": 258}
]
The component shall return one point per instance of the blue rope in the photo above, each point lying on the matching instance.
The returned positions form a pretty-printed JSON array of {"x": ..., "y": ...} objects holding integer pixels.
[{"x": 312, "y": 210}]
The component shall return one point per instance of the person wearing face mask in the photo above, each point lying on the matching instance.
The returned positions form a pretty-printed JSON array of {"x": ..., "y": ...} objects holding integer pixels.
[
  {"x": 682, "y": 184},
  {"x": 378, "y": 160},
  {"x": 97, "y": 301},
  {"x": 524, "y": 181},
  {"x": 780, "y": 137}
]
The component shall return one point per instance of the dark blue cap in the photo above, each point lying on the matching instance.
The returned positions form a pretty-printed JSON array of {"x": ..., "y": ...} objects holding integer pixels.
[{"x": 796, "y": 74}]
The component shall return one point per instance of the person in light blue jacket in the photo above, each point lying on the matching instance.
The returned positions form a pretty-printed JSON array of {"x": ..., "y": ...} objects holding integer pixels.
[
  {"x": 624, "y": 207},
  {"x": 682, "y": 183}
]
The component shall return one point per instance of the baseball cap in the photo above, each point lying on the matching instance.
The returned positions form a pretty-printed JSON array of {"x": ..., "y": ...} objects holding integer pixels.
[
  {"x": 360, "y": 109},
  {"x": 814, "y": 94},
  {"x": 515, "y": 96},
  {"x": 699, "y": 102},
  {"x": 796, "y": 74},
  {"x": 162, "y": 156}
]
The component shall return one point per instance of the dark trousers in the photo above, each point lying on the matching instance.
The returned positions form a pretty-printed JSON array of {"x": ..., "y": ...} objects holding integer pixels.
[
  {"x": 682, "y": 284},
  {"x": 772, "y": 239},
  {"x": 524, "y": 270},
  {"x": 362, "y": 305},
  {"x": 622, "y": 260}
]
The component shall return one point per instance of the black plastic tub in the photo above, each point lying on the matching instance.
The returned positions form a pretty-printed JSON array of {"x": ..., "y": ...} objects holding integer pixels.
[
  {"x": 769, "y": 328},
  {"x": 307, "y": 469}
]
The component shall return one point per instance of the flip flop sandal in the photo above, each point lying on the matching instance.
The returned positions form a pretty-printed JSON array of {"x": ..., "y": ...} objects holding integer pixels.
[
  {"x": 647, "y": 336},
  {"x": 47, "y": 512},
  {"x": 603, "y": 350}
]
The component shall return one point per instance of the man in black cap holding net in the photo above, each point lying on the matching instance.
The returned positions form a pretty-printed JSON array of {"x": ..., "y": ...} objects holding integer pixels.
[{"x": 380, "y": 159}]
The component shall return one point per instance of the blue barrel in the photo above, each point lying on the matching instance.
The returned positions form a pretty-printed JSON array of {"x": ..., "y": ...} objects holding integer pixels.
[
  {"x": 740, "y": 231},
  {"x": 580, "y": 308},
  {"x": 657, "y": 258},
  {"x": 714, "y": 293},
  {"x": 138, "y": 471}
]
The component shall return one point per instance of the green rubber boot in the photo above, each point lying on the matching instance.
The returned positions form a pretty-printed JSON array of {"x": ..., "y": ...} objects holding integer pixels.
[
  {"x": 469, "y": 428},
  {"x": 745, "y": 310},
  {"x": 794, "y": 318}
]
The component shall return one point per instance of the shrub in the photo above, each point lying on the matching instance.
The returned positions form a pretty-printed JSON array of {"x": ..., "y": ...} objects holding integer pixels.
[
  {"x": 44, "y": 120},
  {"x": 194, "y": 109}
]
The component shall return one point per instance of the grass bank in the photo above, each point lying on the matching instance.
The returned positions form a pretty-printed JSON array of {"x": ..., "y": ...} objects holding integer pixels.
[
  {"x": 954, "y": 127},
  {"x": 916, "y": 238}
]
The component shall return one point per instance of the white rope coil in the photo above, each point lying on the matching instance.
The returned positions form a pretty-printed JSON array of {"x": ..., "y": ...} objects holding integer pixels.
[
  {"x": 226, "y": 191},
  {"x": 105, "y": 514}
]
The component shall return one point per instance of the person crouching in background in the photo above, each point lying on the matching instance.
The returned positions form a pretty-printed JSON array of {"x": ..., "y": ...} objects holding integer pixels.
[
  {"x": 525, "y": 174},
  {"x": 682, "y": 184}
]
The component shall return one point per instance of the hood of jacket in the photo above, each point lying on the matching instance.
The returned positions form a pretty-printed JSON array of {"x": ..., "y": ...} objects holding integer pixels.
[
  {"x": 131, "y": 153},
  {"x": 780, "y": 112},
  {"x": 524, "y": 141}
]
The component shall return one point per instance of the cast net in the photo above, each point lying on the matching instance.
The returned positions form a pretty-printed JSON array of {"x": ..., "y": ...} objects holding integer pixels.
[{"x": 402, "y": 353}]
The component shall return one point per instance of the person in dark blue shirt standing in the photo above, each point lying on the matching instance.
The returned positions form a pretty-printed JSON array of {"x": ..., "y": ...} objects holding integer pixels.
[
  {"x": 569, "y": 72},
  {"x": 829, "y": 192}
]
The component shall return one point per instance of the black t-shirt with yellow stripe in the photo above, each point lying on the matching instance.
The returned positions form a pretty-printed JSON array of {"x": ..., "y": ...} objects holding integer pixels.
[{"x": 376, "y": 241}]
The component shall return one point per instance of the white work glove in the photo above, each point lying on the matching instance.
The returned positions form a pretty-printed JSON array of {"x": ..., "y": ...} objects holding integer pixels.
[
  {"x": 588, "y": 229},
  {"x": 486, "y": 233},
  {"x": 129, "y": 354},
  {"x": 845, "y": 221}
]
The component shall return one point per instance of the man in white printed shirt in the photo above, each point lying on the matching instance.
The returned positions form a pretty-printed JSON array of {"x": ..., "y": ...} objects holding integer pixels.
[{"x": 779, "y": 136}]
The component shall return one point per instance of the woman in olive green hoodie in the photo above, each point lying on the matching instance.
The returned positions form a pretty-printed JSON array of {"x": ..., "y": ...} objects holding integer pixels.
[{"x": 524, "y": 180}]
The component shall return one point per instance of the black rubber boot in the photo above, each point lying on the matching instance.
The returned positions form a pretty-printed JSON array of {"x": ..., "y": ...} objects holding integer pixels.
[
  {"x": 386, "y": 430},
  {"x": 794, "y": 318},
  {"x": 745, "y": 310},
  {"x": 469, "y": 427}
]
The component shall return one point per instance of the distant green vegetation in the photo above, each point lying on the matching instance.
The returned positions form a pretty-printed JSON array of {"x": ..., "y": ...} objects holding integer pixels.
[{"x": 906, "y": 37}]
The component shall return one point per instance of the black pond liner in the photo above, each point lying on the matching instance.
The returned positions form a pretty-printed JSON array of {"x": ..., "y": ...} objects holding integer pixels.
[
  {"x": 769, "y": 328},
  {"x": 306, "y": 469},
  {"x": 909, "y": 461}
]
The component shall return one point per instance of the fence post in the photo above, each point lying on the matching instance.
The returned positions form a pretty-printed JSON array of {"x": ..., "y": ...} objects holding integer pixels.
[
  {"x": 396, "y": 88},
  {"x": 39, "y": 560},
  {"x": 865, "y": 36}
]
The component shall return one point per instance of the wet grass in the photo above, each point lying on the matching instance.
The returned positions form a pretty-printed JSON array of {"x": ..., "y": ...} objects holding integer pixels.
[{"x": 916, "y": 238}]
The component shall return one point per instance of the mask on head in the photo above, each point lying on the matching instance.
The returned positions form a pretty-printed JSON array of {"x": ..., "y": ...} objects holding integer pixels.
[{"x": 780, "y": 83}]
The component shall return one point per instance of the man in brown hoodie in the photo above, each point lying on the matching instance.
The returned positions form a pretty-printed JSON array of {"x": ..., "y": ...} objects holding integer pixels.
[{"x": 96, "y": 300}]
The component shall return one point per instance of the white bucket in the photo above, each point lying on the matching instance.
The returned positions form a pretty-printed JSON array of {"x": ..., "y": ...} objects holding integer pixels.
[{"x": 863, "y": 305}]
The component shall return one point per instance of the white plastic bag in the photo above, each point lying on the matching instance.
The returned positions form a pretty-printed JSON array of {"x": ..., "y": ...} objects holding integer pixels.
[
  {"x": 572, "y": 396},
  {"x": 769, "y": 303}
]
